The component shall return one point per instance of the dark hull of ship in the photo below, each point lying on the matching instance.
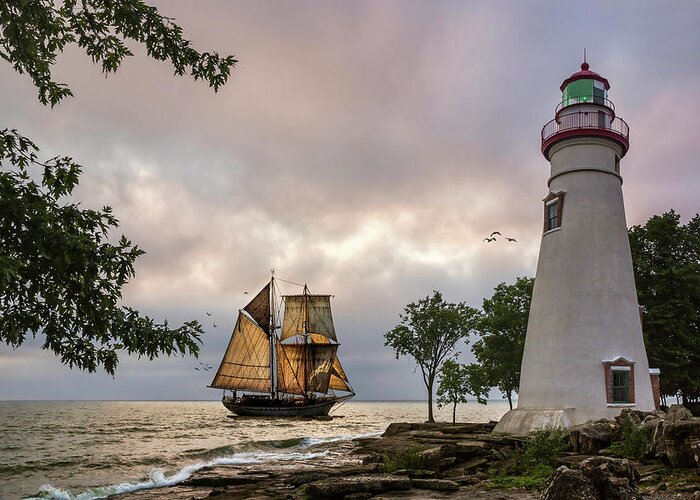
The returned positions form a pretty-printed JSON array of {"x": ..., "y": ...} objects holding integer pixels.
[{"x": 280, "y": 407}]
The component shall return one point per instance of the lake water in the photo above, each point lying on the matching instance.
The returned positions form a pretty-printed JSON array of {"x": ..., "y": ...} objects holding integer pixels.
[{"x": 90, "y": 449}]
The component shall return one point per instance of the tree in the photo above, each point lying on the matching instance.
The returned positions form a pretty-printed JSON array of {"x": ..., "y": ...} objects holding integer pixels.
[
  {"x": 502, "y": 327},
  {"x": 457, "y": 381},
  {"x": 666, "y": 257},
  {"x": 428, "y": 332},
  {"x": 59, "y": 273}
]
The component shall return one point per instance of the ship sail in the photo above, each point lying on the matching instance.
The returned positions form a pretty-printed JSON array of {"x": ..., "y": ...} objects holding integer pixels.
[
  {"x": 314, "y": 310},
  {"x": 338, "y": 380},
  {"x": 259, "y": 308},
  {"x": 258, "y": 359},
  {"x": 304, "y": 368},
  {"x": 246, "y": 363}
]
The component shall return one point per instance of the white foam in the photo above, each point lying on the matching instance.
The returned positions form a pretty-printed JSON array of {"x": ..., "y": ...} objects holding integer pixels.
[{"x": 157, "y": 477}]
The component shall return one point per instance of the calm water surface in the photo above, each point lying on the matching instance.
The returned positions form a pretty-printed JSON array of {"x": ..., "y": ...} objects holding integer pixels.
[{"x": 91, "y": 449}]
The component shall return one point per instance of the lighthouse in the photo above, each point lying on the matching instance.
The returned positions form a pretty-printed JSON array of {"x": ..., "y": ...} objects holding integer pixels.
[{"x": 584, "y": 356}]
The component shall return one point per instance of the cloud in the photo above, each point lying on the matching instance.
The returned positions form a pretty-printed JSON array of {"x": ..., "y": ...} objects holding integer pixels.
[{"x": 363, "y": 148}]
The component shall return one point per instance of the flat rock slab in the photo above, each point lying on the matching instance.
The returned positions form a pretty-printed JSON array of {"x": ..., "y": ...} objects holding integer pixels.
[
  {"x": 338, "y": 487},
  {"x": 435, "y": 484}
]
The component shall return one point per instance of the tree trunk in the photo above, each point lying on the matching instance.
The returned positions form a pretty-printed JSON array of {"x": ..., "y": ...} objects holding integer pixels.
[
  {"x": 510, "y": 399},
  {"x": 454, "y": 412},
  {"x": 430, "y": 401}
]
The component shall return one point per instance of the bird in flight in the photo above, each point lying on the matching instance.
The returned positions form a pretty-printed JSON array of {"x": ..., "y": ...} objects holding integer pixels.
[
  {"x": 245, "y": 293},
  {"x": 214, "y": 325},
  {"x": 489, "y": 240},
  {"x": 208, "y": 314},
  {"x": 496, "y": 232},
  {"x": 512, "y": 239}
]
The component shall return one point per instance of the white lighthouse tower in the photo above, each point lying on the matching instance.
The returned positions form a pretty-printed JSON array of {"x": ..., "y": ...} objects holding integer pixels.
[{"x": 584, "y": 353}]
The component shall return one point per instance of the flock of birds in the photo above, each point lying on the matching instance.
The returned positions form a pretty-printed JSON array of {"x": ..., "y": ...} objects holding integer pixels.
[
  {"x": 205, "y": 367},
  {"x": 492, "y": 237}
]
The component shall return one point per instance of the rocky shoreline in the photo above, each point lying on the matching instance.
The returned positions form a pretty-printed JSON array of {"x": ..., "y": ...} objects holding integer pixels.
[{"x": 460, "y": 461}]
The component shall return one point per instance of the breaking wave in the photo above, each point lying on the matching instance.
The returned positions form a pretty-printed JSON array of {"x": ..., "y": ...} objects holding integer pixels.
[
  {"x": 158, "y": 478},
  {"x": 224, "y": 455}
]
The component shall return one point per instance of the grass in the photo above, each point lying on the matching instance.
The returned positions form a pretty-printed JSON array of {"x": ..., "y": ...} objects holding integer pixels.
[{"x": 410, "y": 459}]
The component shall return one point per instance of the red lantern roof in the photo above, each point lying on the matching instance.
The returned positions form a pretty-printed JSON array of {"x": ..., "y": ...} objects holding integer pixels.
[{"x": 585, "y": 74}]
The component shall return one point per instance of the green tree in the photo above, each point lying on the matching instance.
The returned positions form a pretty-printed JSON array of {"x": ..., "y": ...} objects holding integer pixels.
[
  {"x": 456, "y": 383},
  {"x": 502, "y": 327},
  {"x": 60, "y": 276},
  {"x": 428, "y": 332},
  {"x": 666, "y": 257}
]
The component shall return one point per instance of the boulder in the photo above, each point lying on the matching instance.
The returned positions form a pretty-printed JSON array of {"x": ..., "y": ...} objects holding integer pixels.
[
  {"x": 435, "y": 484},
  {"x": 400, "y": 427},
  {"x": 568, "y": 484},
  {"x": 591, "y": 437},
  {"x": 464, "y": 450},
  {"x": 681, "y": 441},
  {"x": 339, "y": 487},
  {"x": 677, "y": 413},
  {"x": 612, "y": 478}
]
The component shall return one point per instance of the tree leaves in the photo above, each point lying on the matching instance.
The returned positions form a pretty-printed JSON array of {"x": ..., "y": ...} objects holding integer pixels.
[
  {"x": 666, "y": 257},
  {"x": 33, "y": 33},
  {"x": 428, "y": 332},
  {"x": 60, "y": 276},
  {"x": 502, "y": 328}
]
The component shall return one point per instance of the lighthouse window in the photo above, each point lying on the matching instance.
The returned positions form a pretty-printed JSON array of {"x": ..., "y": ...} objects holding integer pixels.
[
  {"x": 621, "y": 386},
  {"x": 553, "y": 205},
  {"x": 552, "y": 215},
  {"x": 619, "y": 381}
]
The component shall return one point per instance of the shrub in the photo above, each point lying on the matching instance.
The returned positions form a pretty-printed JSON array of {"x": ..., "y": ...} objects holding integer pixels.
[
  {"x": 542, "y": 448},
  {"x": 633, "y": 442},
  {"x": 534, "y": 464},
  {"x": 410, "y": 459}
]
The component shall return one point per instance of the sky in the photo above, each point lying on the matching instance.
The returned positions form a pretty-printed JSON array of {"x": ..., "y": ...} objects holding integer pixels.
[{"x": 363, "y": 148}]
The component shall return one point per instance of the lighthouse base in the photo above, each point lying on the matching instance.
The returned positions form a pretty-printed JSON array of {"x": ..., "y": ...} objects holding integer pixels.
[{"x": 521, "y": 422}]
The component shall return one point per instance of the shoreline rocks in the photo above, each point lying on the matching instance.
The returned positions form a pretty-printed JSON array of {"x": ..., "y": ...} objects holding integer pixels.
[{"x": 459, "y": 460}]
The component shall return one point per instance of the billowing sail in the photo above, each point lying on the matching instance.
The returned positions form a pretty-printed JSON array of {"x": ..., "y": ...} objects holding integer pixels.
[
  {"x": 339, "y": 381},
  {"x": 246, "y": 364},
  {"x": 294, "y": 361},
  {"x": 315, "y": 310},
  {"x": 259, "y": 308}
]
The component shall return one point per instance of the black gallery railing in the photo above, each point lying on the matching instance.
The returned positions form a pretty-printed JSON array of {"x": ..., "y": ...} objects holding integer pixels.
[{"x": 585, "y": 120}]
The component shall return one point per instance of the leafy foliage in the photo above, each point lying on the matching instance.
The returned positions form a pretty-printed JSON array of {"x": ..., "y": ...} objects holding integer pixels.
[
  {"x": 542, "y": 448},
  {"x": 502, "y": 328},
  {"x": 634, "y": 441},
  {"x": 428, "y": 332},
  {"x": 59, "y": 274},
  {"x": 534, "y": 463},
  {"x": 33, "y": 33},
  {"x": 666, "y": 256},
  {"x": 456, "y": 383}
]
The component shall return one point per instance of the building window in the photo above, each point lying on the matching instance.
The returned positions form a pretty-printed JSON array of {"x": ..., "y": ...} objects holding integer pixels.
[
  {"x": 553, "y": 206},
  {"x": 552, "y": 215},
  {"x": 619, "y": 381},
  {"x": 621, "y": 386}
]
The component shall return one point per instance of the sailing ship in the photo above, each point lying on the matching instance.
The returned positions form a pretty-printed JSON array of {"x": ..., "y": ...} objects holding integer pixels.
[{"x": 295, "y": 373}]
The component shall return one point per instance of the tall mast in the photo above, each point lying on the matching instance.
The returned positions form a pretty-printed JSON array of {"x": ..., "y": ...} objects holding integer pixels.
[
  {"x": 306, "y": 340},
  {"x": 272, "y": 335}
]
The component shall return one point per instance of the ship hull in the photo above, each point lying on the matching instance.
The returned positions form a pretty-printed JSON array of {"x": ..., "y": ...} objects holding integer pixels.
[{"x": 280, "y": 408}]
